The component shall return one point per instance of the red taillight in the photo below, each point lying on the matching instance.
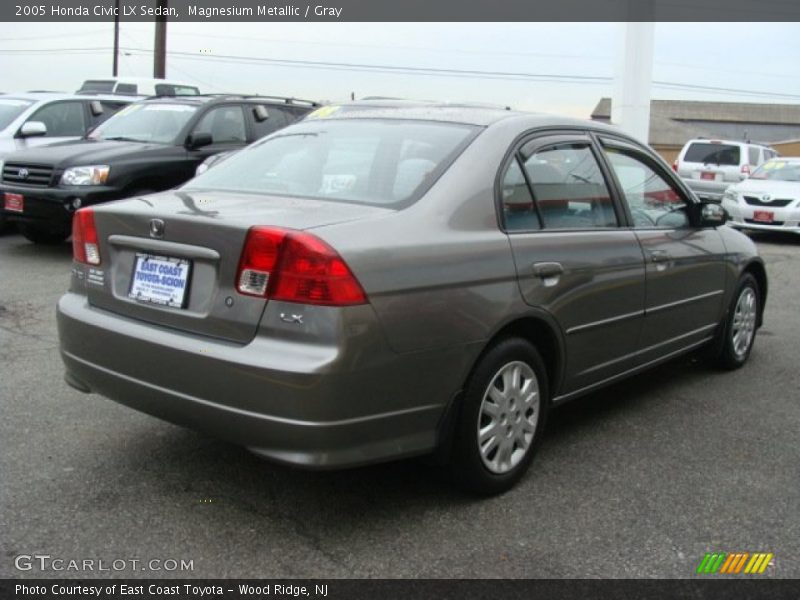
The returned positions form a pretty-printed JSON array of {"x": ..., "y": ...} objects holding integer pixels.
[
  {"x": 745, "y": 169},
  {"x": 259, "y": 260},
  {"x": 295, "y": 266},
  {"x": 675, "y": 165},
  {"x": 85, "y": 248}
]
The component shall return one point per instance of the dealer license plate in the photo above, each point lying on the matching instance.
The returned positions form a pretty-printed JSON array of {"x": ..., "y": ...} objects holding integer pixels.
[
  {"x": 763, "y": 216},
  {"x": 161, "y": 280},
  {"x": 14, "y": 202}
]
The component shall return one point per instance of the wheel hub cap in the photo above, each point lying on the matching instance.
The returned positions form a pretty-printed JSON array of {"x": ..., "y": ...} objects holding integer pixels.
[
  {"x": 744, "y": 322},
  {"x": 507, "y": 418}
]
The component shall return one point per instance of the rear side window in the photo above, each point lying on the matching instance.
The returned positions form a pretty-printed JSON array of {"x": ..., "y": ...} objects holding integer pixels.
[
  {"x": 519, "y": 212},
  {"x": 98, "y": 85},
  {"x": 710, "y": 153},
  {"x": 568, "y": 187},
  {"x": 369, "y": 161},
  {"x": 752, "y": 155},
  {"x": 127, "y": 89},
  {"x": 277, "y": 119},
  {"x": 62, "y": 119}
]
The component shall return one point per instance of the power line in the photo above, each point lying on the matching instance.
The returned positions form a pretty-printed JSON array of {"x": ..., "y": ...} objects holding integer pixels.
[{"x": 420, "y": 71}]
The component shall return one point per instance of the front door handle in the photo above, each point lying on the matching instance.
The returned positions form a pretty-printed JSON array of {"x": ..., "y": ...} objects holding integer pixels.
[
  {"x": 660, "y": 256},
  {"x": 548, "y": 270}
]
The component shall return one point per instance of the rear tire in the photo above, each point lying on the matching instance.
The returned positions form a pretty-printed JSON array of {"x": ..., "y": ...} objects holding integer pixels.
[
  {"x": 502, "y": 417},
  {"x": 43, "y": 236},
  {"x": 739, "y": 331}
]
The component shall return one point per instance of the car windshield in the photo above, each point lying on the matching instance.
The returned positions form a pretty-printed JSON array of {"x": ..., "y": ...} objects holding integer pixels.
[
  {"x": 378, "y": 162},
  {"x": 778, "y": 170},
  {"x": 10, "y": 109},
  {"x": 152, "y": 122},
  {"x": 713, "y": 153}
]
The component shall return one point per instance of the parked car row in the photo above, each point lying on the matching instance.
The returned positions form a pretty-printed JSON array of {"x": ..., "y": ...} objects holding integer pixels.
[
  {"x": 759, "y": 189},
  {"x": 148, "y": 146}
]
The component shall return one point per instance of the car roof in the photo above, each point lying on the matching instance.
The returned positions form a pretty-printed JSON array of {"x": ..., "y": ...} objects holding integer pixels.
[
  {"x": 49, "y": 96},
  {"x": 201, "y": 99},
  {"x": 729, "y": 142},
  {"x": 449, "y": 112}
]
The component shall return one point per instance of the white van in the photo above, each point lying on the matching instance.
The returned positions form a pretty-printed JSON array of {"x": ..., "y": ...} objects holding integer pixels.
[
  {"x": 710, "y": 166},
  {"x": 138, "y": 86}
]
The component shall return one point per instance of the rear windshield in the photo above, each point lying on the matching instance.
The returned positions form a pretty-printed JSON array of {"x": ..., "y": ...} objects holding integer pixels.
[
  {"x": 169, "y": 89},
  {"x": 377, "y": 162},
  {"x": 10, "y": 109},
  {"x": 152, "y": 122},
  {"x": 716, "y": 154},
  {"x": 97, "y": 86},
  {"x": 778, "y": 170}
]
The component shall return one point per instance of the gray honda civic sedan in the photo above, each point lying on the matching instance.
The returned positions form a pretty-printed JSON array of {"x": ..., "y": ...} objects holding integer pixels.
[{"x": 383, "y": 282}]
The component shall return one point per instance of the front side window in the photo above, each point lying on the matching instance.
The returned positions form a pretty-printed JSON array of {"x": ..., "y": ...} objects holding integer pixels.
[
  {"x": 752, "y": 155},
  {"x": 369, "y": 161},
  {"x": 62, "y": 119},
  {"x": 652, "y": 200},
  {"x": 10, "y": 109},
  {"x": 568, "y": 187},
  {"x": 153, "y": 122},
  {"x": 225, "y": 124}
]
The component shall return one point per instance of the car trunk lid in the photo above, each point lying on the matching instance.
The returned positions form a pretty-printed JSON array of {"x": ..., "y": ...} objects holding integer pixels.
[{"x": 172, "y": 258}]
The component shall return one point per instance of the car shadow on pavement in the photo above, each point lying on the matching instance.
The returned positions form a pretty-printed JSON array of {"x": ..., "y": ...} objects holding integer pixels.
[
  {"x": 201, "y": 470},
  {"x": 17, "y": 246}
]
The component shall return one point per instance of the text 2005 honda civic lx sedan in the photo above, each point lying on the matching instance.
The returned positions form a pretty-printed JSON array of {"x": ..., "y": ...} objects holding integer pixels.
[{"x": 382, "y": 282}]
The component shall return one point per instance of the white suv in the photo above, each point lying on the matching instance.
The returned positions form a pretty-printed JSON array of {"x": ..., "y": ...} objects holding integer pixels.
[{"x": 710, "y": 166}]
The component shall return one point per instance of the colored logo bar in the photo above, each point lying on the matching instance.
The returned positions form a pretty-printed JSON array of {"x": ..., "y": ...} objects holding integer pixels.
[{"x": 734, "y": 563}]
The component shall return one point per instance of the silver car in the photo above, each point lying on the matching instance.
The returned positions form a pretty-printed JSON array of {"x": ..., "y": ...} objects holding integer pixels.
[
  {"x": 370, "y": 285},
  {"x": 769, "y": 200},
  {"x": 709, "y": 166}
]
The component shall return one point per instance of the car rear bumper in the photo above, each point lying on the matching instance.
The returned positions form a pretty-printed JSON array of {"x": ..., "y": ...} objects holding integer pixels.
[{"x": 307, "y": 406}]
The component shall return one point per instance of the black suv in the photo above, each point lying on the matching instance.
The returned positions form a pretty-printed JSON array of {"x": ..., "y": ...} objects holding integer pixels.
[{"x": 149, "y": 146}]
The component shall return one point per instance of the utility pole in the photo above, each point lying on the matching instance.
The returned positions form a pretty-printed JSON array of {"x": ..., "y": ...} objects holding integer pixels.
[
  {"x": 630, "y": 102},
  {"x": 116, "y": 39},
  {"x": 160, "y": 46}
]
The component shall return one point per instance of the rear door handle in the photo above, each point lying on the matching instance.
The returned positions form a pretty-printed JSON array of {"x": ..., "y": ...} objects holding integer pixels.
[{"x": 547, "y": 270}]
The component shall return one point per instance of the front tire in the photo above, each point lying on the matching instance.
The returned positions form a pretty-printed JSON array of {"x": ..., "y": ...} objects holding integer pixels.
[
  {"x": 739, "y": 332},
  {"x": 502, "y": 417}
]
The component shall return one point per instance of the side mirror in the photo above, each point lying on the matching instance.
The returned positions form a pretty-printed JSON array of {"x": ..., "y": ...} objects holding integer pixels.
[
  {"x": 712, "y": 215},
  {"x": 96, "y": 107},
  {"x": 33, "y": 129},
  {"x": 198, "y": 140}
]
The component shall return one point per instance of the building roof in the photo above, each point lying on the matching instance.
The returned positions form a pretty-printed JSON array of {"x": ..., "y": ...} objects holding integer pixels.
[{"x": 673, "y": 122}]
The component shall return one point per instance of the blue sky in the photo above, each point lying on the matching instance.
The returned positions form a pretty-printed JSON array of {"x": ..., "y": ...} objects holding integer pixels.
[{"x": 755, "y": 57}]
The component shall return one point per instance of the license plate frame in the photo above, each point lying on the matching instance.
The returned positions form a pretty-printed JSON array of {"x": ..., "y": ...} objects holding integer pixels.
[
  {"x": 708, "y": 175},
  {"x": 13, "y": 202},
  {"x": 763, "y": 216},
  {"x": 158, "y": 283}
]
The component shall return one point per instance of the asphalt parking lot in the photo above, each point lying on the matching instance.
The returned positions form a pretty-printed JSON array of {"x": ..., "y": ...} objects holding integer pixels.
[{"x": 639, "y": 480}]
